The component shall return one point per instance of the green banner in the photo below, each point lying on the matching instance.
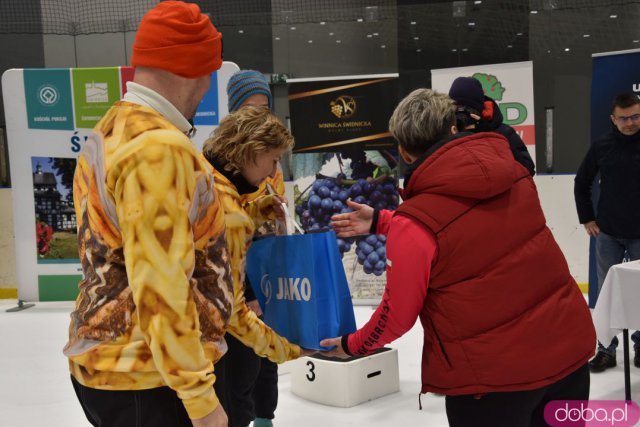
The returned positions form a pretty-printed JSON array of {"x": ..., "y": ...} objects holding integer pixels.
[{"x": 94, "y": 91}]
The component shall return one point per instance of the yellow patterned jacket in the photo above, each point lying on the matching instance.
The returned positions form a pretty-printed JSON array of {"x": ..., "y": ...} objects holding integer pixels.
[
  {"x": 157, "y": 294},
  {"x": 251, "y": 203},
  {"x": 240, "y": 227},
  {"x": 277, "y": 182}
]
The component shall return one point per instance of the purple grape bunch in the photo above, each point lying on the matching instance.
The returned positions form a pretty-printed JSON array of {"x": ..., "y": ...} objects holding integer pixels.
[
  {"x": 328, "y": 196},
  {"x": 372, "y": 254}
]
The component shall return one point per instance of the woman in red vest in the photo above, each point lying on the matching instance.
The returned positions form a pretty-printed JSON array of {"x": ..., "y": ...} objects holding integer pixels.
[{"x": 506, "y": 328}]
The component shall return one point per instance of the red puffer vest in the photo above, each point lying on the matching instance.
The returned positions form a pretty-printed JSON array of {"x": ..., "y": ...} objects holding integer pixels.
[{"x": 502, "y": 312}]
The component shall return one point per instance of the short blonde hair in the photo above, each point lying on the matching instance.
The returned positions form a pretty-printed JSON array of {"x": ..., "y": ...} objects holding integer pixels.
[
  {"x": 421, "y": 119},
  {"x": 243, "y": 135}
]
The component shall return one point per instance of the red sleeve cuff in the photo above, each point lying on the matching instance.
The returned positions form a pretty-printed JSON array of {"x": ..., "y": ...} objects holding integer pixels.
[
  {"x": 374, "y": 222},
  {"x": 344, "y": 342}
]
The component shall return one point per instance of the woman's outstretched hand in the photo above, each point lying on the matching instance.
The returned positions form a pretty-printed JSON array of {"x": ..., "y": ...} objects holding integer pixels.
[{"x": 354, "y": 223}]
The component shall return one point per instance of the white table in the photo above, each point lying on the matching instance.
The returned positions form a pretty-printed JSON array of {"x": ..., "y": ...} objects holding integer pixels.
[{"x": 617, "y": 309}]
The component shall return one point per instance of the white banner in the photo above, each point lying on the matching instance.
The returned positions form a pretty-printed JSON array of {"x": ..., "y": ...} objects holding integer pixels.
[
  {"x": 346, "y": 152},
  {"x": 509, "y": 84},
  {"x": 49, "y": 114}
]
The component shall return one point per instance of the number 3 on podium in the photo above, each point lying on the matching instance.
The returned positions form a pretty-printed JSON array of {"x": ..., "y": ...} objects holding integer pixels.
[{"x": 311, "y": 376}]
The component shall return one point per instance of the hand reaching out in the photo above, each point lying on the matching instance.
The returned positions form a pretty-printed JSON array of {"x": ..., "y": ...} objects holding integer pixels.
[
  {"x": 277, "y": 202},
  {"x": 337, "y": 351},
  {"x": 255, "y": 307},
  {"x": 217, "y": 418},
  {"x": 354, "y": 223}
]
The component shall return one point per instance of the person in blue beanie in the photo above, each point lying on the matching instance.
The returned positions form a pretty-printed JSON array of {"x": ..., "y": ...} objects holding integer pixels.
[{"x": 248, "y": 87}]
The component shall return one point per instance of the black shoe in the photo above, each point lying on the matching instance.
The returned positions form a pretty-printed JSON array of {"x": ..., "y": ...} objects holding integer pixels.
[
  {"x": 604, "y": 361},
  {"x": 636, "y": 359}
]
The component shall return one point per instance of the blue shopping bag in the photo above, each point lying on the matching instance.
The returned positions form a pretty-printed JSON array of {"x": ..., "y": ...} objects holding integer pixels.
[{"x": 301, "y": 286}]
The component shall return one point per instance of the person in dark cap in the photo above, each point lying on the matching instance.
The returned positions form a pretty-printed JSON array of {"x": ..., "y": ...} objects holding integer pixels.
[
  {"x": 477, "y": 112},
  {"x": 156, "y": 297}
]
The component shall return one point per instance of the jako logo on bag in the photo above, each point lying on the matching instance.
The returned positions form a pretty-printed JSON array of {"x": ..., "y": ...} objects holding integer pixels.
[
  {"x": 265, "y": 287},
  {"x": 591, "y": 413},
  {"x": 289, "y": 288},
  {"x": 294, "y": 289}
]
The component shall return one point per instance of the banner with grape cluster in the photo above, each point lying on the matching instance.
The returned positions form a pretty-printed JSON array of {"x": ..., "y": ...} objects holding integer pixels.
[{"x": 345, "y": 152}]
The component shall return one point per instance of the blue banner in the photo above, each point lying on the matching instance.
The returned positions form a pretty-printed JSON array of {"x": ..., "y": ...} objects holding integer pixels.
[{"x": 207, "y": 113}]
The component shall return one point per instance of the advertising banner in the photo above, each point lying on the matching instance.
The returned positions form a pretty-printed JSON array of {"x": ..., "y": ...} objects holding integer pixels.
[
  {"x": 331, "y": 114},
  {"x": 344, "y": 151},
  {"x": 208, "y": 111},
  {"x": 509, "y": 84},
  {"x": 48, "y": 99},
  {"x": 95, "y": 89},
  {"x": 612, "y": 74},
  {"x": 49, "y": 115}
]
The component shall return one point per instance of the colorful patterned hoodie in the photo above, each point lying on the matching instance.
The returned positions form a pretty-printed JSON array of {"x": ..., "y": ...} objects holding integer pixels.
[
  {"x": 251, "y": 203},
  {"x": 240, "y": 227},
  {"x": 157, "y": 295}
]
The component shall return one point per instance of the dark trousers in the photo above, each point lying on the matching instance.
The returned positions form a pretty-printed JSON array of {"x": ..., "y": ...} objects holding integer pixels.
[
  {"x": 250, "y": 390},
  {"x": 265, "y": 392},
  {"x": 156, "y": 407},
  {"x": 516, "y": 409},
  {"x": 220, "y": 385}
]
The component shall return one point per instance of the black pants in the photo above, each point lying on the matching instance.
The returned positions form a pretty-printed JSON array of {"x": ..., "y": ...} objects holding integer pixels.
[
  {"x": 265, "y": 392},
  {"x": 516, "y": 409},
  {"x": 220, "y": 385},
  {"x": 156, "y": 407},
  {"x": 251, "y": 384}
]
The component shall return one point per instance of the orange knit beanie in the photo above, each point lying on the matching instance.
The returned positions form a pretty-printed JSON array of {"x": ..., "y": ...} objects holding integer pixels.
[{"x": 174, "y": 36}]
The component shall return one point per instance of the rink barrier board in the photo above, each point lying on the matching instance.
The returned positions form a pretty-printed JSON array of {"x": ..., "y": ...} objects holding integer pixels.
[{"x": 8, "y": 293}]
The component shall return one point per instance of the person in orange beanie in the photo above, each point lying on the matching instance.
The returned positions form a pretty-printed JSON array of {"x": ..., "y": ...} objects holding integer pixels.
[
  {"x": 177, "y": 30},
  {"x": 156, "y": 294}
]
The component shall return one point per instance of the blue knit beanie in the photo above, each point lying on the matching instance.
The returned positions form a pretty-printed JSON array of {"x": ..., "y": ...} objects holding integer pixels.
[{"x": 244, "y": 84}]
